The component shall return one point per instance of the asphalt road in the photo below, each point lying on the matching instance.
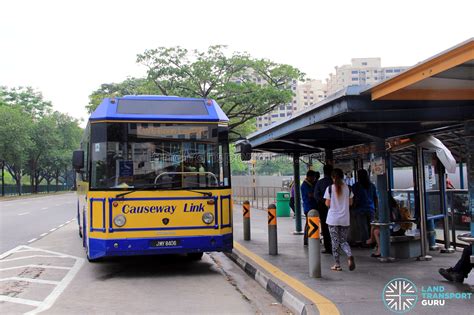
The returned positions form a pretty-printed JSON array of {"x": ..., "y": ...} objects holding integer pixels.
[{"x": 25, "y": 220}]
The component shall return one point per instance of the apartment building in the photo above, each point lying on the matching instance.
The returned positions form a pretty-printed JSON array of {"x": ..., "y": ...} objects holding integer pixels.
[{"x": 361, "y": 71}]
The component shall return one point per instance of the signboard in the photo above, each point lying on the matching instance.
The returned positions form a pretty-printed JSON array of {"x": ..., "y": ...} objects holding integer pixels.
[
  {"x": 378, "y": 166},
  {"x": 125, "y": 168}
]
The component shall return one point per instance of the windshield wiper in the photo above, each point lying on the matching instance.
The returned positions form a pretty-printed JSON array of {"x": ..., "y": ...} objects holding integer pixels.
[{"x": 151, "y": 186}]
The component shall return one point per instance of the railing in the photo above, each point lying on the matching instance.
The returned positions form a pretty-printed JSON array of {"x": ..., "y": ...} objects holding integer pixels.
[
  {"x": 12, "y": 190},
  {"x": 259, "y": 197}
]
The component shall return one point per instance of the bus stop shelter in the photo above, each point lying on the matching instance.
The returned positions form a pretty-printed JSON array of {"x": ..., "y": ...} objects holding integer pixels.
[{"x": 433, "y": 98}]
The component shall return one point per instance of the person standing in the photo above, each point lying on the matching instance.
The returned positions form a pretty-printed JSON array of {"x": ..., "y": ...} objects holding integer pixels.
[
  {"x": 338, "y": 199},
  {"x": 319, "y": 190},
  {"x": 365, "y": 204},
  {"x": 307, "y": 194}
]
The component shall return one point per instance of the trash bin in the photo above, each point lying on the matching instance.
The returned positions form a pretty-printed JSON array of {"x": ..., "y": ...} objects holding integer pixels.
[{"x": 283, "y": 204}]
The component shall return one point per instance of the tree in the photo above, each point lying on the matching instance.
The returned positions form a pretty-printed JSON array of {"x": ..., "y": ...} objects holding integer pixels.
[
  {"x": 244, "y": 87},
  {"x": 279, "y": 165},
  {"x": 237, "y": 166},
  {"x": 27, "y": 99},
  {"x": 14, "y": 143}
]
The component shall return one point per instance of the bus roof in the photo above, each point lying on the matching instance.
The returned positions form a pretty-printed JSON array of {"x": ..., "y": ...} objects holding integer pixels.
[{"x": 160, "y": 108}]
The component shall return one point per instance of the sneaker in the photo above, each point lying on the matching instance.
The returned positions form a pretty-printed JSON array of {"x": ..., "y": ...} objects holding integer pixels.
[{"x": 451, "y": 275}]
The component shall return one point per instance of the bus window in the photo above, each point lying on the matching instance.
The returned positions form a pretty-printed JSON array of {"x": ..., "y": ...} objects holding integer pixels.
[{"x": 171, "y": 156}]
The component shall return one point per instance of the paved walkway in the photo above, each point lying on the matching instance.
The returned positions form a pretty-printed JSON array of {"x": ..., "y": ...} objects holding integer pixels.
[{"x": 357, "y": 292}]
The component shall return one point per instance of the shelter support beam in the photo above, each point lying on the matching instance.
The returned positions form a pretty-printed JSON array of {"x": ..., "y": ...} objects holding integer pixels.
[
  {"x": 384, "y": 212},
  {"x": 469, "y": 136},
  {"x": 297, "y": 185},
  {"x": 328, "y": 157},
  {"x": 421, "y": 201},
  {"x": 444, "y": 209}
]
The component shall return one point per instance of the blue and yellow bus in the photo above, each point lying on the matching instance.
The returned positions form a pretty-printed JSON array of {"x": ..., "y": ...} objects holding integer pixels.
[{"x": 153, "y": 177}]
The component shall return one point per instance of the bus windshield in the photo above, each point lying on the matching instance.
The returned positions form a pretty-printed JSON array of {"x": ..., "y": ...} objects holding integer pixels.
[{"x": 164, "y": 155}]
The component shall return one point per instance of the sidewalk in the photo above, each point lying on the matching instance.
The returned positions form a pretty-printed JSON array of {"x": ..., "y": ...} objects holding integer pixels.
[{"x": 357, "y": 292}]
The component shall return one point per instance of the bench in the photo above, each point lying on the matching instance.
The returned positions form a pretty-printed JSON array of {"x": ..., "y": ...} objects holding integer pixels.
[{"x": 404, "y": 246}]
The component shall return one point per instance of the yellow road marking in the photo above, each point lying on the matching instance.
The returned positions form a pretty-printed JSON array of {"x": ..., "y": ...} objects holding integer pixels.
[{"x": 324, "y": 305}]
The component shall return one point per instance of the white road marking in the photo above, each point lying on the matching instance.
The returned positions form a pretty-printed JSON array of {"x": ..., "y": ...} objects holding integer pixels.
[
  {"x": 23, "y": 213},
  {"x": 60, "y": 226},
  {"x": 44, "y": 234},
  {"x": 53, "y": 229},
  {"x": 28, "y": 257},
  {"x": 45, "y": 208},
  {"x": 32, "y": 240},
  {"x": 5, "y": 298},
  {"x": 59, "y": 286},
  {"x": 30, "y": 280},
  {"x": 35, "y": 266}
]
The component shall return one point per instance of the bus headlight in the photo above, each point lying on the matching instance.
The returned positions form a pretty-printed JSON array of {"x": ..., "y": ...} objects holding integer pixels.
[
  {"x": 120, "y": 220},
  {"x": 207, "y": 218}
]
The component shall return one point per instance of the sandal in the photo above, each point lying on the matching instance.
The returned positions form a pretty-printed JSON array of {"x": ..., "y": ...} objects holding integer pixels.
[
  {"x": 351, "y": 263},
  {"x": 336, "y": 268}
]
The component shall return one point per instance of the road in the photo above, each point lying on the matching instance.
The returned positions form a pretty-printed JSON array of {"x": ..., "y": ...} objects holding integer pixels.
[
  {"x": 25, "y": 220},
  {"x": 49, "y": 273}
]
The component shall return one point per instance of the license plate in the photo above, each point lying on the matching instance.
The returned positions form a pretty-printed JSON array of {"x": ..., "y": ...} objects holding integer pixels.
[{"x": 164, "y": 243}]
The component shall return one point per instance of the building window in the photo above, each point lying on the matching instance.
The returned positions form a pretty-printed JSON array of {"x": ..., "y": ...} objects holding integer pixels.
[
  {"x": 306, "y": 103},
  {"x": 376, "y": 78},
  {"x": 305, "y": 97},
  {"x": 274, "y": 115},
  {"x": 355, "y": 79},
  {"x": 364, "y": 63},
  {"x": 259, "y": 125},
  {"x": 265, "y": 124},
  {"x": 354, "y": 72},
  {"x": 259, "y": 118},
  {"x": 396, "y": 70},
  {"x": 375, "y": 71},
  {"x": 282, "y": 107},
  {"x": 389, "y": 70},
  {"x": 311, "y": 97},
  {"x": 295, "y": 108},
  {"x": 282, "y": 114}
]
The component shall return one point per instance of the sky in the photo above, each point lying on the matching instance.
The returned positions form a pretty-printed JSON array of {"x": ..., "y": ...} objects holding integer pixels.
[{"x": 67, "y": 49}]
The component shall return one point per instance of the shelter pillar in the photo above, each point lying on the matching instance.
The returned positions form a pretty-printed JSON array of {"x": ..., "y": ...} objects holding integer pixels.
[
  {"x": 420, "y": 183},
  {"x": 469, "y": 136},
  {"x": 384, "y": 212},
  {"x": 329, "y": 157},
  {"x": 297, "y": 185}
]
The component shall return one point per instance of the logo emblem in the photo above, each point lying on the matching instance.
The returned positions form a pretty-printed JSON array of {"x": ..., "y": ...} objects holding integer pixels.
[
  {"x": 165, "y": 221},
  {"x": 400, "y": 295}
]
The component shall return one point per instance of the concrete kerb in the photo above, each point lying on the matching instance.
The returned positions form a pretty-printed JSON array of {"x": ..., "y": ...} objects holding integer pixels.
[{"x": 294, "y": 301}]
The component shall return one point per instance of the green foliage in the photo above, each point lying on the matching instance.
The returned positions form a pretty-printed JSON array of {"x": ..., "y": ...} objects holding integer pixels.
[
  {"x": 27, "y": 99},
  {"x": 238, "y": 167},
  {"x": 280, "y": 165},
  {"x": 15, "y": 129},
  {"x": 244, "y": 87},
  {"x": 34, "y": 140}
]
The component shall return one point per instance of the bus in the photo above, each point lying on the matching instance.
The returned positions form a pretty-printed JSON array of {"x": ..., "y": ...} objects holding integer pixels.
[{"x": 153, "y": 177}]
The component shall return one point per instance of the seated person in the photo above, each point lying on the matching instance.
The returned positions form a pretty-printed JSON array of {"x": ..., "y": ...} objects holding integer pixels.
[
  {"x": 397, "y": 213},
  {"x": 462, "y": 268}
]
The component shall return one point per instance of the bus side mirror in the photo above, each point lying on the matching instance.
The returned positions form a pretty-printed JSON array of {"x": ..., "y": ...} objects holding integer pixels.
[
  {"x": 78, "y": 160},
  {"x": 246, "y": 151}
]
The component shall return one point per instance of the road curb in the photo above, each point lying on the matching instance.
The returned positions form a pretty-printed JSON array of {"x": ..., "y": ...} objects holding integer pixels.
[{"x": 286, "y": 296}]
